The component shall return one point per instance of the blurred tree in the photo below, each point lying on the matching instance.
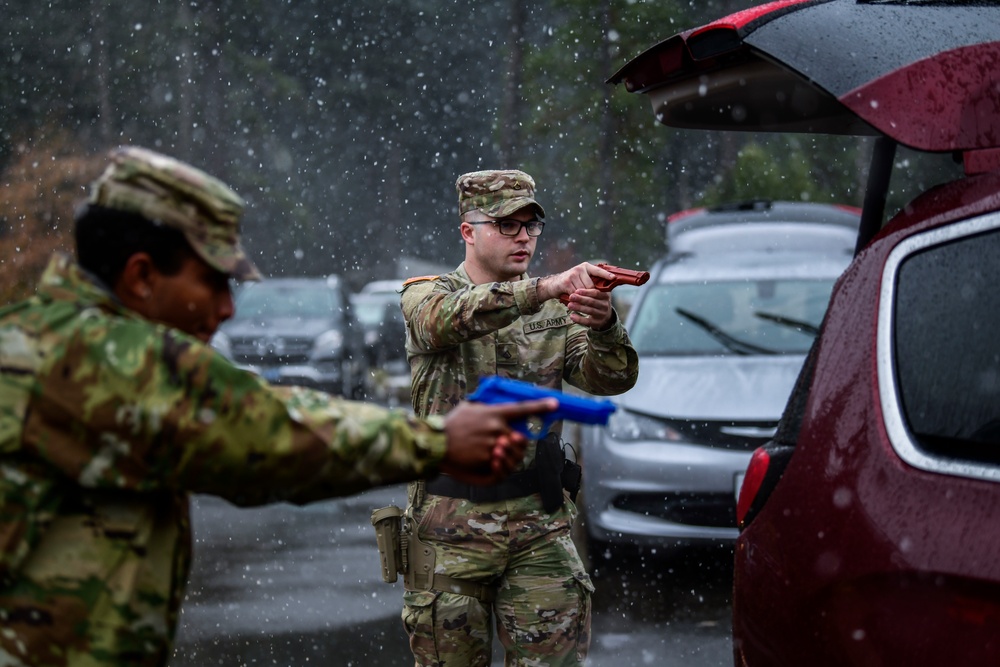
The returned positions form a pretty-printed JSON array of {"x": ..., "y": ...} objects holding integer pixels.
[
  {"x": 758, "y": 170},
  {"x": 39, "y": 189},
  {"x": 512, "y": 111},
  {"x": 602, "y": 161},
  {"x": 344, "y": 125},
  {"x": 617, "y": 172},
  {"x": 383, "y": 106}
]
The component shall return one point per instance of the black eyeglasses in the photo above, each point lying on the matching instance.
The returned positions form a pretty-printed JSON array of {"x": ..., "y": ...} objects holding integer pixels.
[{"x": 511, "y": 227}]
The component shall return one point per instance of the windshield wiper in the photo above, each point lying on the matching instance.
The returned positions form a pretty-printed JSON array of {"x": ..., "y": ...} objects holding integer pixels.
[
  {"x": 731, "y": 343},
  {"x": 799, "y": 325}
]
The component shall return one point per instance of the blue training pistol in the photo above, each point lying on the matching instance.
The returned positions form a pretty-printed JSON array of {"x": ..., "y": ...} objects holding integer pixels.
[{"x": 493, "y": 390}]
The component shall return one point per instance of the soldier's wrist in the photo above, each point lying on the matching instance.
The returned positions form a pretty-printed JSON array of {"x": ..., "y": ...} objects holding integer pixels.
[{"x": 544, "y": 289}]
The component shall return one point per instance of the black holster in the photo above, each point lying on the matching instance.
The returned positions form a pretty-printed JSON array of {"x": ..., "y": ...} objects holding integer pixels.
[
  {"x": 572, "y": 476},
  {"x": 549, "y": 474},
  {"x": 549, "y": 466}
]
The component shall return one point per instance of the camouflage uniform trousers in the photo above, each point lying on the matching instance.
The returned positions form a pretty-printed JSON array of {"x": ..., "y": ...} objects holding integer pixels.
[{"x": 542, "y": 607}]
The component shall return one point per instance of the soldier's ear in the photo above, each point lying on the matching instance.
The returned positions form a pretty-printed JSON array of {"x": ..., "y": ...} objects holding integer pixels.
[
  {"x": 135, "y": 284},
  {"x": 468, "y": 233}
]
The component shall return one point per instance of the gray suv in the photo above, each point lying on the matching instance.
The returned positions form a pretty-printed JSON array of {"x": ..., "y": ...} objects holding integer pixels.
[
  {"x": 722, "y": 329},
  {"x": 298, "y": 331}
]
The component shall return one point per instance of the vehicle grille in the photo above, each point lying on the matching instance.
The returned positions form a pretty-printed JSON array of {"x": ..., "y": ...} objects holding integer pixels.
[
  {"x": 717, "y": 510},
  {"x": 271, "y": 350},
  {"x": 741, "y": 436}
]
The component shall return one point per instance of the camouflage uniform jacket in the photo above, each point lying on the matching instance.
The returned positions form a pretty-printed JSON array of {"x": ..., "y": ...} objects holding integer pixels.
[
  {"x": 107, "y": 423},
  {"x": 458, "y": 332}
]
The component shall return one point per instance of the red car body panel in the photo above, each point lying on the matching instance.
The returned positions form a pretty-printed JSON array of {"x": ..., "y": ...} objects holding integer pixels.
[
  {"x": 852, "y": 552},
  {"x": 914, "y": 571},
  {"x": 958, "y": 108},
  {"x": 833, "y": 66}
]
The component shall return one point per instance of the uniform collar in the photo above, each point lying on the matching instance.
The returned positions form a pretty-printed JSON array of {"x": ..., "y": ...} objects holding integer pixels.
[{"x": 64, "y": 279}]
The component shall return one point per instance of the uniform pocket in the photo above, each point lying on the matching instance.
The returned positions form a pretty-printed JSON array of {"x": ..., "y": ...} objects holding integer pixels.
[{"x": 418, "y": 619}]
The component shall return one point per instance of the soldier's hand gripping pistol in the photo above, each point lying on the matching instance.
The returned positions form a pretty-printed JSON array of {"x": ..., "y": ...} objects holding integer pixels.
[
  {"x": 493, "y": 390},
  {"x": 622, "y": 277}
]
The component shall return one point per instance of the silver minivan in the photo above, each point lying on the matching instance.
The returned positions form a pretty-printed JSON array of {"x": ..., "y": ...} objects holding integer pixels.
[{"x": 722, "y": 329}]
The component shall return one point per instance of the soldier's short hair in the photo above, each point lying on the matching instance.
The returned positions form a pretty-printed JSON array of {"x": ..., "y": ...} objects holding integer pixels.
[{"x": 106, "y": 237}]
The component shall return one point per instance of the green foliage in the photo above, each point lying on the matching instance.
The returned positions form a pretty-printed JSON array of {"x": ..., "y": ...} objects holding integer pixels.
[
  {"x": 602, "y": 155},
  {"x": 344, "y": 125},
  {"x": 778, "y": 169},
  {"x": 605, "y": 150}
]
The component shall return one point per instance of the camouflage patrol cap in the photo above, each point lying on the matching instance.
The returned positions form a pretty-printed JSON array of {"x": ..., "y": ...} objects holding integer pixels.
[
  {"x": 167, "y": 191},
  {"x": 496, "y": 192}
]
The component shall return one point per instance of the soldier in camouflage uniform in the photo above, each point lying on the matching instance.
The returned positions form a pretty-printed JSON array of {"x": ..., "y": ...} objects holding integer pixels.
[
  {"x": 504, "y": 551},
  {"x": 113, "y": 409}
]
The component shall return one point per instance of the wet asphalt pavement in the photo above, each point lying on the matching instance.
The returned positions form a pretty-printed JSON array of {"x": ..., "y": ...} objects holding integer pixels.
[{"x": 285, "y": 585}]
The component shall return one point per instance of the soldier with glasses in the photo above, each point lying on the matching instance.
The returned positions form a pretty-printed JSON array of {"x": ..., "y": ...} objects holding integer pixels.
[{"x": 503, "y": 553}]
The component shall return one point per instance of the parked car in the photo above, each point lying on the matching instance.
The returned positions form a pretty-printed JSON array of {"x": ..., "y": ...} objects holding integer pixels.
[
  {"x": 868, "y": 523},
  {"x": 384, "y": 328},
  {"x": 388, "y": 288},
  {"x": 377, "y": 309},
  {"x": 787, "y": 224},
  {"x": 299, "y": 331},
  {"x": 721, "y": 329}
]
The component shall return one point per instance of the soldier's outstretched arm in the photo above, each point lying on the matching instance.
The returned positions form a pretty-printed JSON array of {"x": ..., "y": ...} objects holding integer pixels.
[{"x": 482, "y": 448}]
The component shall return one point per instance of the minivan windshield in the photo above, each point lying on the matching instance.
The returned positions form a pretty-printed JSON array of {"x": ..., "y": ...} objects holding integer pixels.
[
  {"x": 267, "y": 301},
  {"x": 730, "y": 317}
]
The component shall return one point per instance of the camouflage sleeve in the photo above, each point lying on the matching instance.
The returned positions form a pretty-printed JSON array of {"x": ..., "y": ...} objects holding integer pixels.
[
  {"x": 602, "y": 363},
  {"x": 441, "y": 315},
  {"x": 118, "y": 410}
]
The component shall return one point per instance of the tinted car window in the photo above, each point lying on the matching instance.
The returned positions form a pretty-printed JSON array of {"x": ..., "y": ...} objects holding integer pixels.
[
  {"x": 948, "y": 347},
  {"x": 267, "y": 301},
  {"x": 755, "y": 316}
]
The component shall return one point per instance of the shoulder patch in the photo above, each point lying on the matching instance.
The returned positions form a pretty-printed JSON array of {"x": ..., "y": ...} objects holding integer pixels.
[{"x": 418, "y": 279}]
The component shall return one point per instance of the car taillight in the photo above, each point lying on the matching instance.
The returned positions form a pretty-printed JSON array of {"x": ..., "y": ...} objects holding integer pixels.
[
  {"x": 752, "y": 480},
  {"x": 680, "y": 215},
  {"x": 767, "y": 464}
]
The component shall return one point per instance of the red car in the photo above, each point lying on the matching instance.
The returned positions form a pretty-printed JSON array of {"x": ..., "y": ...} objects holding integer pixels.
[{"x": 870, "y": 525}]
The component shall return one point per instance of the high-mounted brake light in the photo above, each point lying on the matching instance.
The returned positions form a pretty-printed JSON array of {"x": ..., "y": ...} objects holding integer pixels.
[
  {"x": 725, "y": 34},
  {"x": 712, "y": 40},
  {"x": 745, "y": 16}
]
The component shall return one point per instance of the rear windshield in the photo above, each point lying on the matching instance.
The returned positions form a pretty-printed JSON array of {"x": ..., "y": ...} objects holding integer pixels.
[
  {"x": 737, "y": 317},
  {"x": 264, "y": 301}
]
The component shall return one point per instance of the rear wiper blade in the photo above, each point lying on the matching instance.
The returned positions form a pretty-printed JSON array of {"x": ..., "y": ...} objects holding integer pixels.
[
  {"x": 799, "y": 325},
  {"x": 730, "y": 342}
]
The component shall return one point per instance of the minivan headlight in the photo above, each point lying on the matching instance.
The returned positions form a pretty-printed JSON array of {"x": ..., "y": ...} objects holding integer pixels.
[
  {"x": 631, "y": 426},
  {"x": 328, "y": 344}
]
